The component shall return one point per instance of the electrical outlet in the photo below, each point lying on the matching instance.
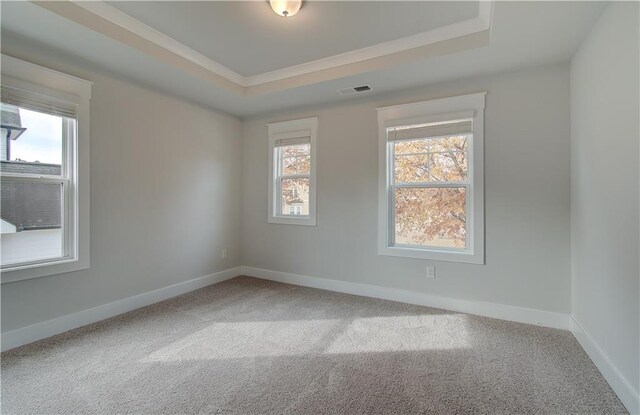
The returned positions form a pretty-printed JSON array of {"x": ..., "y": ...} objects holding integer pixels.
[
  {"x": 431, "y": 271},
  {"x": 224, "y": 253}
]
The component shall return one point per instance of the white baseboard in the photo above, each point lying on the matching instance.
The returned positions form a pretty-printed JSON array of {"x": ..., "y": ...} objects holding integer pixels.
[
  {"x": 500, "y": 311},
  {"x": 629, "y": 397},
  {"x": 29, "y": 334}
]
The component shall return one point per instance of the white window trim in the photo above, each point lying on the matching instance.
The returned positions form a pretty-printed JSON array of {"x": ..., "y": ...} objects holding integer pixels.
[
  {"x": 307, "y": 127},
  {"x": 425, "y": 112},
  {"x": 34, "y": 78}
]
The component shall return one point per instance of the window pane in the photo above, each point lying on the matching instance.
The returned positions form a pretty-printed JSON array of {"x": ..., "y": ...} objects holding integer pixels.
[
  {"x": 431, "y": 160},
  {"x": 432, "y": 217},
  {"x": 411, "y": 168},
  {"x": 296, "y": 159},
  {"x": 295, "y": 196},
  {"x": 29, "y": 137},
  {"x": 31, "y": 221}
]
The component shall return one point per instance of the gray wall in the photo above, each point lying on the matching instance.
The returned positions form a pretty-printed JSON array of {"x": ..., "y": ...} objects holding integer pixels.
[
  {"x": 604, "y": 187},
  {"x": 165, "y": 199},
  {"x": 167, "y": 188},
  {"x": 527, "y": 197}
]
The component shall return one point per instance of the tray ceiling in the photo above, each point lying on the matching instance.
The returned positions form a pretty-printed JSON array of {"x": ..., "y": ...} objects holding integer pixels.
[
  {"x": 522, "y": 34},
  {"x": 248, "y": 38},
  {"x": 317, "y": 51}
]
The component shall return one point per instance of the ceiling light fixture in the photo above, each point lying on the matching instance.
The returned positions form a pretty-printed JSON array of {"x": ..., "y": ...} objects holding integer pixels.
[{"x": 285, "y": 8}]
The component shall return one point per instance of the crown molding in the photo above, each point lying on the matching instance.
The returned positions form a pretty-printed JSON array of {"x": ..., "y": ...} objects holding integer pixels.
[
  {"x": 110, "y": 13},
  {"x": 440, "y": 34},
  {"x": 108, "y": 20},
  {"x": 459, "y": 44}
]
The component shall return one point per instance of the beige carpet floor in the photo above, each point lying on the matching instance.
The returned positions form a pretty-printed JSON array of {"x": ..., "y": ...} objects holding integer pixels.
[{"x": 248, "y": 346}]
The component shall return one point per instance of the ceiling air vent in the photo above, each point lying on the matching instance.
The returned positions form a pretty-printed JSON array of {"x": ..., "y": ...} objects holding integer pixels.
[{"x": 354, "y": 90}]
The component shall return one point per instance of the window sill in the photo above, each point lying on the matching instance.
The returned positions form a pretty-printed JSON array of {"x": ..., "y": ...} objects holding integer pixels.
[
  {"x": 45, "y": 269},
  {"x": 305, "y": 221},
  {"x": 432, "y": 254}
]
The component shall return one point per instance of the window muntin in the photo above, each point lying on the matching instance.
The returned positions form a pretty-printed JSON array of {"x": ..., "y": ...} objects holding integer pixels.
[
  {"x": 35, "y": 168},
  {"x": 292, "y": 172},
  {"x": 429, "y": 181}
]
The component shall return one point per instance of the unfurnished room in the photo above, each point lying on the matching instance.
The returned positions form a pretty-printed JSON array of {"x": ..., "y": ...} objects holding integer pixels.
[{"x": 320, "y": 207}]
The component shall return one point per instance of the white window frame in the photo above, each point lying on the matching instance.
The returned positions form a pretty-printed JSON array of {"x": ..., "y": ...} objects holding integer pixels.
[
  {"x": 433, "y": 111},
  {"x": 302, "y": 128},
  {"x": 58, "y": 86}
]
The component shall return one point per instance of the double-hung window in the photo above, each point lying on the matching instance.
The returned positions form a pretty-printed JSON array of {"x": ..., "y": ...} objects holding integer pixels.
[
  {"x": 431, "y": 179},
  {"x": 292, "y": 182},
  {"x": 43, "y": 171}
]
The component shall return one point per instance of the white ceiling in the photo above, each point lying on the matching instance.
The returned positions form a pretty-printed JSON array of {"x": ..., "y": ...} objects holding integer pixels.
[
  {"x": 248, "y": 38},
  {"x": 522, "y": 34}
]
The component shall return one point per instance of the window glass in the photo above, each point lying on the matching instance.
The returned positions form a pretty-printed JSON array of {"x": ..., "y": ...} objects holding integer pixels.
[
  {"x": 294, "y": 175},
  {"x": 429, "y": 181},
  {"x": 31, "y": 221},
  {"x": 439, "y": 159},
  {"x": 295, "y": 194},
  {"x": 31, "y": 137},
  {"x": 432, "y": 217},
  {"x": 296, "y": 159},
  {"x": 32, "y": 188}
]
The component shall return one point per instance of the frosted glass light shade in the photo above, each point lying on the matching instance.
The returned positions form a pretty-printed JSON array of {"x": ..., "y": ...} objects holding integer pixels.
[{"x": 285, "y": 8}]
